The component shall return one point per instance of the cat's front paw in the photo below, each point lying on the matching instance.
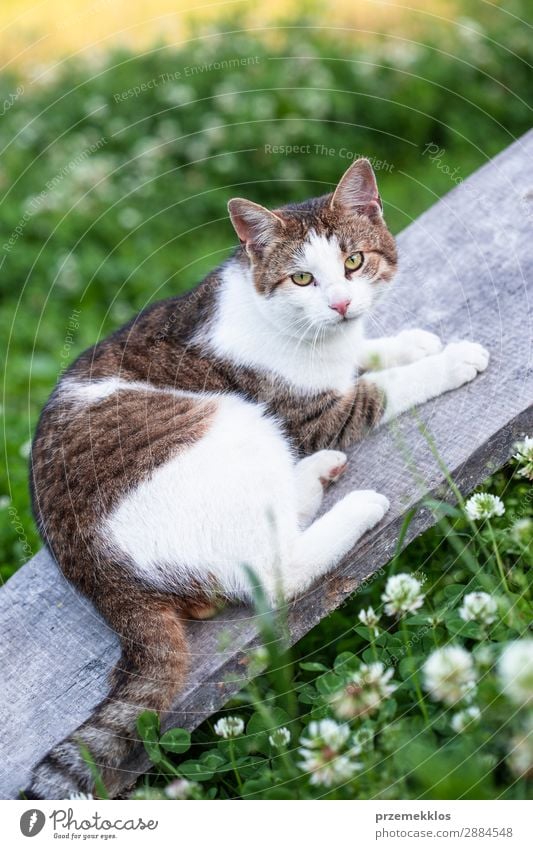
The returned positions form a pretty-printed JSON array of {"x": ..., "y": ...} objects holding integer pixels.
[
  {"x": 413, "y": 345},
  {"x": 464, "y": 361},
  {"x": 367, "y": 507}
]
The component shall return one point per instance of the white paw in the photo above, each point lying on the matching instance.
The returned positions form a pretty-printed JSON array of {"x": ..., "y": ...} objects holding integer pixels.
[
  {"x": 464, "y": 361},
  {"x": 416, "y": 344},
  {"x": 327, "y": 465},
  {"x": 336, "y": 466},
  {"x": 367, "y": 507}
]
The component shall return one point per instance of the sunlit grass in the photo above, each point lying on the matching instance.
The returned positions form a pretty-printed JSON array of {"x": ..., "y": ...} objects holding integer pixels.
[{"x": 41, "y": 31}]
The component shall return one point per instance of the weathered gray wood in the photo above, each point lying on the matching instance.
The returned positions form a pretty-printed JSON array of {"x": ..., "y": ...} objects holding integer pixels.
[{"x": 465, "y": 267}]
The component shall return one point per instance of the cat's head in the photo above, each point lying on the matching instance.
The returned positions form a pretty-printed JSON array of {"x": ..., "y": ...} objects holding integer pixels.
[{"x": 321, "y": 263}]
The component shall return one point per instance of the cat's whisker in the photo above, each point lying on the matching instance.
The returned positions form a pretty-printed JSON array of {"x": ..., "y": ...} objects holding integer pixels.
[
  {"x": 376, "y": 322},
  {"x": 301, "y": 322},
  {"x": 310, "y": 326},
  {"x": 316, "y": 341}
]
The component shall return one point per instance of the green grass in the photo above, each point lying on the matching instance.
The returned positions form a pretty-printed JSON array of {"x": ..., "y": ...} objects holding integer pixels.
[{"x": 409, "y": 748}]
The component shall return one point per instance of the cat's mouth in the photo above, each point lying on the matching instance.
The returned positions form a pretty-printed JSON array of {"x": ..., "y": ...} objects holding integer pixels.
[
  {"x": 345, "y": 319},
  {"x": 340, "y": 323}
]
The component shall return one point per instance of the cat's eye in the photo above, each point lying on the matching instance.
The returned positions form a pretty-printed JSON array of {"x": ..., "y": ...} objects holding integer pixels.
[
  {"x": 302, "y": 278},
  {"x": 354, "y": 261}
]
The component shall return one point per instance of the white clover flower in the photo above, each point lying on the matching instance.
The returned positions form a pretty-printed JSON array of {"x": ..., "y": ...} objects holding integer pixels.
[
  {"x": 370, "y": 618},
  {"x": 472, "y": 27},
  {"x": 402, "y": 54},
  {"x": 129, "y": 218},
  {"x": 80, "y": 797},
  {"x": 484, "y": 657},
  {"x": 290, "y": 171},
  {"x": 524, "y": 457},
  {"x": 148, "y": 794},
  {"x": 181, "y": 788},
  {"x": 520, "y": 757},
  {"x": 68, "y": 271},
  {"x": 362, "y": 739},
  {"x": 515, "y": 669},
  {"x": 522, "y": 531},
  {"x": 326, "y": 754},
  {"x": 449, "y": 675},
  {"x": 197, "y": 148},
  {"x": 327, "y": 769},
  {"x": 325, "y": 733},
  {"x": 402, "y": 595},
  {"x": 483, "y": 505},
  {"x": 97, "y": 104},
  {"x": 478, "y": 607},
  {"x": 364, "y": 692},
  {"x": 229, "y": 726},
  {"x": 178, "y": 94},
  {"x": 280, "y": 738},
  {"x": 257, "y": 660},
  {"x": 463, "y": 719},
  {"x": 25, "y": 449}
]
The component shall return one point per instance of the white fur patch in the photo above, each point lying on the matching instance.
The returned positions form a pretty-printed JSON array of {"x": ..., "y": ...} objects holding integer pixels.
[
  {"x": 93, "y": 391},
  {"x": 323, "y": 258},
  {"x": 89, "y": 391},
  {"x": 228, "y": 500},
  {"x": 266, "y": 334}
]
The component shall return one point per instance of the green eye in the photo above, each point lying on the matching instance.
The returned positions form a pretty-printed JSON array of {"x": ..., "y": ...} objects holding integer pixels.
[
  {"x": 302, "y": 278},
  {"x": 354, "y": 261}
]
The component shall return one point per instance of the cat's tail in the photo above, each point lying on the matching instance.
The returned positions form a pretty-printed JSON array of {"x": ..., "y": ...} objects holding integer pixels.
[{"x": 150, "y": 671}]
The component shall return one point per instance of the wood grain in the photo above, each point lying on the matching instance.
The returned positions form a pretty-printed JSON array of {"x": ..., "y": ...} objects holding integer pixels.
[{"x": 465, "y": 266}]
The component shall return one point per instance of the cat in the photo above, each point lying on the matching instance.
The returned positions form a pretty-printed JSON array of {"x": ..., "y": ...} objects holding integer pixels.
[{"x": 200, "y": 437}]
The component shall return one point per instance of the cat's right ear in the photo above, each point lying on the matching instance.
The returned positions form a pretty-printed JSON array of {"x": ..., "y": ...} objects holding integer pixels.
[{"x": 254, "y": 224}]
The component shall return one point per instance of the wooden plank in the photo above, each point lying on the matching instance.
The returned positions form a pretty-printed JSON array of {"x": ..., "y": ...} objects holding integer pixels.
[{"x": 464, "y": 271}]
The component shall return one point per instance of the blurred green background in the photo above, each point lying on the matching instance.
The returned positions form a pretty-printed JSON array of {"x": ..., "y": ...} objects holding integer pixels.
[{"x": 115, "y": 168}]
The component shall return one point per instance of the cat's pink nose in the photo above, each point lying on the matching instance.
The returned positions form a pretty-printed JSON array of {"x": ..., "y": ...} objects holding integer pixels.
[{"x": 341, "y": 307}]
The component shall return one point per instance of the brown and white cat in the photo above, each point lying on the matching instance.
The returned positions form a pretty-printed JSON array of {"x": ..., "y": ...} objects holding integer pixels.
[{"x": 199, "y": 437}]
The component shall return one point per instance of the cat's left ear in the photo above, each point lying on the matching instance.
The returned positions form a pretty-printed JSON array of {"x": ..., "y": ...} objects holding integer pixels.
[
  {"x": 254, "y": 224},
  {"x": 358, "y": 191}
]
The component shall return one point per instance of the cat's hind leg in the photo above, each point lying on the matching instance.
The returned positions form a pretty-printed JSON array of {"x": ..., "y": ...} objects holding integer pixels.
[{"x": 313, "y": 475}]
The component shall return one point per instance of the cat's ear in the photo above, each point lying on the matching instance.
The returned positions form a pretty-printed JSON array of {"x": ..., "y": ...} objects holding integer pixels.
[
  {"x": 358, "y": 190},
  {"x": 253, "y": 223}
]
